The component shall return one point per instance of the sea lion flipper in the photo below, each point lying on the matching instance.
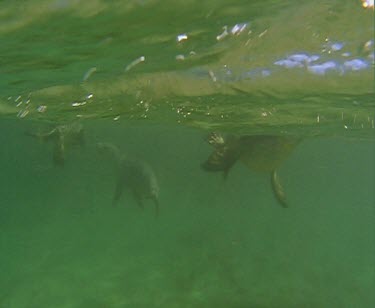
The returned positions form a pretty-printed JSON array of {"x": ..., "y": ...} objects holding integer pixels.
[
  {"x": 59, "y": 153},
  {"x": 80, "y": 138},
  {"x": 139, "y": 201},
  {"x": 215, "y": 139},
  {"x": 226, "y": 153},
  {"x": 45, "y": 136},
  {"x": 278, "y": 190},
  {"x": 156, "y": 202},
  {"x": 225, "y": 173},
  {"x": 118, "y": 191}
]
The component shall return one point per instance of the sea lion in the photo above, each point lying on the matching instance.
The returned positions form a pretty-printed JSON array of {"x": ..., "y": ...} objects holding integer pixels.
[
  {"x": 134, "y": 175},
  {"x": 62, "y": 137},
  {"x": 261, "y": 153}
]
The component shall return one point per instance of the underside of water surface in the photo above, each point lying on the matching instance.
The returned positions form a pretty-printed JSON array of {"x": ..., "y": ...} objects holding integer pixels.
[{"x": 241, "y": 66}]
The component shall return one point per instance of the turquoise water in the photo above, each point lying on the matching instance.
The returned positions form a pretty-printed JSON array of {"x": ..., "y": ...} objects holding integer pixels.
[{"x": 286, "y": 69}]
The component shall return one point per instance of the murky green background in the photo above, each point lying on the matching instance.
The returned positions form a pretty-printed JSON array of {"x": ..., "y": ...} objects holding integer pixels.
[{"x": 216, "y": 242}]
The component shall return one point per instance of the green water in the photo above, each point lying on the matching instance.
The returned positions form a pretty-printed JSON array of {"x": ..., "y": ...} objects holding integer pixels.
[{"x": 216, "y": 243}]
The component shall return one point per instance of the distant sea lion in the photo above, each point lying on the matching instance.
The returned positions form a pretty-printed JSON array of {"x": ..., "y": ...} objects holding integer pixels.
[
  {"x": 132, "y": 174},
  {"x": 62, "y": 137},
  {"x": 260, "y": 153}
]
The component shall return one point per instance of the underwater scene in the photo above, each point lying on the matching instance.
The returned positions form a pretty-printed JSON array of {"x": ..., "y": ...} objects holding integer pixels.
[{"x": 182, "y": 154}]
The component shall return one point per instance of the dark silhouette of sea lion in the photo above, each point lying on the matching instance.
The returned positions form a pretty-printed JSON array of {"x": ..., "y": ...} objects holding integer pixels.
[
  {"x": 261, "y": 153},
  {"x": 62, "y": 137},
  {"x": 134, "y": 175}
]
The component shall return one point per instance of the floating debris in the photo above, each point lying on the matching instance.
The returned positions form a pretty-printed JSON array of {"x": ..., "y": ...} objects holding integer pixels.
[
  {"x": 212, "y": 75},
  {"x": 368, "y": 45},
  {"x": 238, "y": 28},
  {"x": 182, "y": 37},
  {"x": 367, "y": 50},
  {"x": 42, "y": 108},
  {"x": 89, "y": 73},
  {"x": 235, "y": 30},
  {"x": 180, "y": 57},
  {"x": 263, "y": 33},
  {"x": 78, "y": 104},
  {"x": 23, "y": 113},
  {"x": 223, "y": 34},
  {"x": 134, "y": 63}
]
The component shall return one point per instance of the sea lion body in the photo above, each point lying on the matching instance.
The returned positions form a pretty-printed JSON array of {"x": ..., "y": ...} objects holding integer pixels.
[
  {"x": 133, "y": 175},
  {"x": 63, "y": 137},
  {"x": 260, "y": 153}
]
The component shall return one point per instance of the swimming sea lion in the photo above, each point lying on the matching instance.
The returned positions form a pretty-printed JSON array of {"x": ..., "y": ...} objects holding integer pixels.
[
  {"x": 62, "y": 137},
  {"x": 132, "y": 174},
  {"x": 260, "y": 153}
]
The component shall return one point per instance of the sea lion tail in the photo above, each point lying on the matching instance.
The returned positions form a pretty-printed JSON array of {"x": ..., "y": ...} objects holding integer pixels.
[
  {"x": 278, "y": 189},
  {"x": 81, "y": 140}
]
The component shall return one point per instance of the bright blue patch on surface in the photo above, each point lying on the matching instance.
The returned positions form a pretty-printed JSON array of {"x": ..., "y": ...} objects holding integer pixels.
[
  {"x": 355, "y": 65},
  {"x": 323, "y": 68}
]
